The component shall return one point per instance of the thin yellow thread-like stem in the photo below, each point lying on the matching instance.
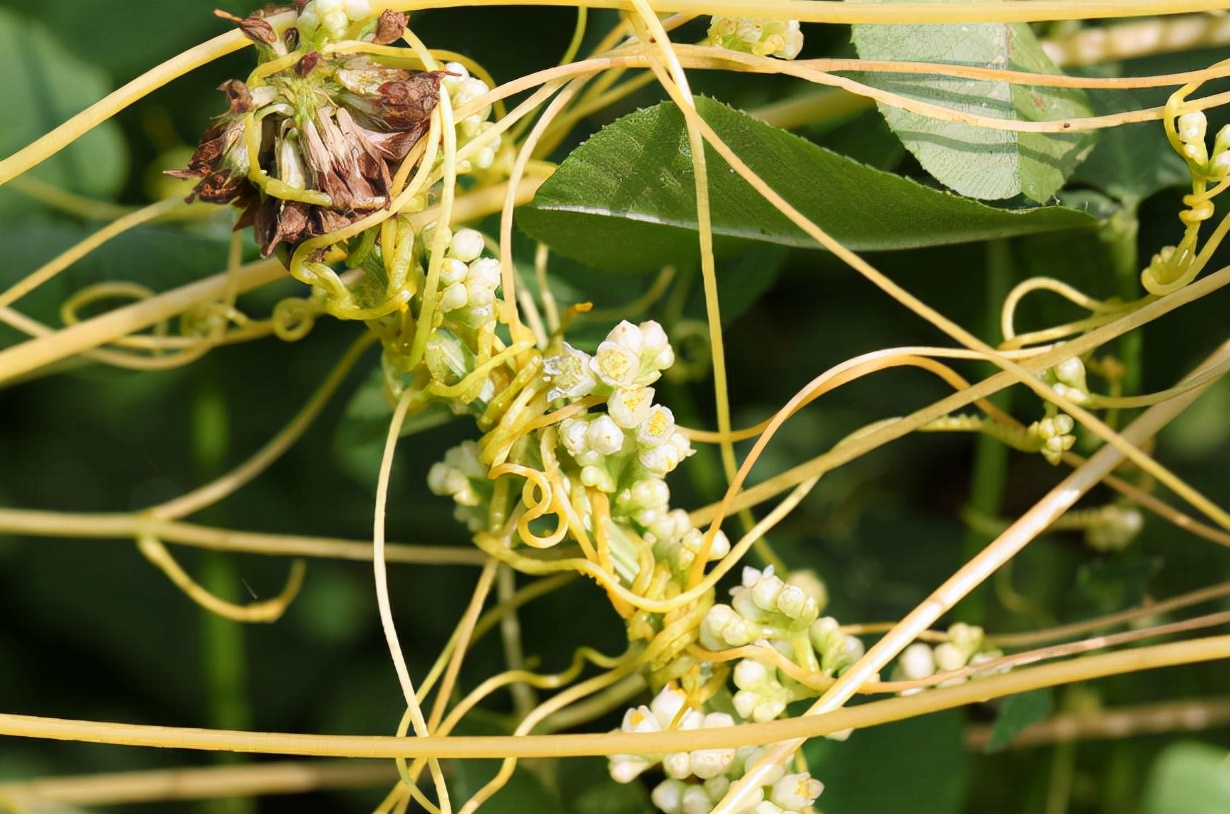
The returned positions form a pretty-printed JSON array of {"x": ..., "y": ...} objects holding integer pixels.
[
  {"x": 197, "y": 783},
  {"x": 1100, "y": 665},
  {"x": 125, "y": 526},
  {"x": 1117, "y": 723},
  {"x": 20, "y": 359},
  {"x": 1123, "y": 617},
  {"x": 268, "y": 611},
  {"x": 383, "y": 602},
  {"x": 946, "y": 325},
  {"x": 53, "y": 267},
  {"x": 1059, "y": 500},
  {"x": 809, "y": 11},
  {"x": 45, "y": 147}
]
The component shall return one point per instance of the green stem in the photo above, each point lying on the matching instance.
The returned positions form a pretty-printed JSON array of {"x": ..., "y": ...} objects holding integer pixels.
[
  {"x": 1119, "y": 234},
  {"x": 223, "y": 656},
  {"x": 990, "y": 454}
]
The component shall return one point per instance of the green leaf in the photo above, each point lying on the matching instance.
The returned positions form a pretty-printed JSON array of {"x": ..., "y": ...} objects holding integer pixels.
[
  {"x": 44, "y": 85},
  {"x": 1189, "y": 778},
  {"x": 625, "y": 201},
  {"x": 915, "y": 766},
  {"x": 1018, "y": 712},
  {"x": 976, "y": 161}
]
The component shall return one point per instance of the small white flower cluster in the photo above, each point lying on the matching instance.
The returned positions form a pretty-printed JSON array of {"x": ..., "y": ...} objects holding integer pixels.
[
  {"x": 1068, "y": 380},
  {"x": 782, "y": 615},
  {"x": 333, "y": 18},
  {"x": 697, "y": 780},
  {"x": 964, "y": 647},
  {"x": 462, "y": 476},
  {"x": 462, "y": 89},
  {"x": 468, "y": 281},
  {"x": 772, "y": 38},
  {"x": 635, "y": 438},
  {"x": 1192, "y": 129},
  {"x": 1054, "y": 436}
]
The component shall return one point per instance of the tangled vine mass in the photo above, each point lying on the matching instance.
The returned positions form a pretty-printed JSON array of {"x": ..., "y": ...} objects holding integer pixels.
[{"x": 345, "y": 151}]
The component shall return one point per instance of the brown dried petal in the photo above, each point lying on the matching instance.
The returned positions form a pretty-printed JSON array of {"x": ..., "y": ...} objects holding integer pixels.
[
  {"x": 389, "y": 27},
  {"x": 308, "y": 64},
  {"x": 371, "y": 160},
  {"x": 254, "y": 28},
  {"x": 363, "y": 77},
  {"x": 237, "y": 95},
  {"x": 408, "y": 103}
]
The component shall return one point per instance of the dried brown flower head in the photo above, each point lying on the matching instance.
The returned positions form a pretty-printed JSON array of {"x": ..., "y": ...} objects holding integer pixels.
[{"x": 326, "y": 136}]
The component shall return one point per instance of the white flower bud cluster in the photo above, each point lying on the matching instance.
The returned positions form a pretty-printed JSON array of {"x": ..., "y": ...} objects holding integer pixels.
[
  {"x": 462, "y": 89},
  {"x": 1192, "y": 129},
  {"x": 772, "y": 38},
  {"x": 331, "y": 17},
  {"x": 1068, "y": 380},
  {"x": 1054, "y": 436},
  {"x": 763, "y": 607},
  {"x": 635, "y": 440},
  {"x": 462, "y": 476},
  {"x": 964, "y": 647},
  {"x": 769, "y": 611},
  {"x": 1115, "y": 528},
  {"x": 697, "y": 780},
  {"x": 468, "y": 281}
]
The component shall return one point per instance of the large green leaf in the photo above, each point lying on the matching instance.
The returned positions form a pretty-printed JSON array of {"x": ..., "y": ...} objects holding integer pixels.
[
  {"x": 1189, "y": 778},
  {"x": 45, "y": 84},
  {"x": 976, "y": 161},
  {"x": 625, "y": 199}
]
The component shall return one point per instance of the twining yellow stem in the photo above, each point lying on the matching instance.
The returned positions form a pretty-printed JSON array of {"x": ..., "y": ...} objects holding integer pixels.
[
  {"x": 860, "y": 445},
  {"x": 1059, "y": 500},
  {"x": 195, "y": 783},
  {"x": 267, "y": 611},
  {"x": 65, "y": 259},
  {"x": 1133, "y": 660},
  {"x": 99, "y": 112},
  {"x": 1152, "y": 610},
  {"x": 128, "y": 526},
  {"x": 36, "y": 353},
  {"x": 1118, "y": 723},
  {"x": 383, "y": 602},
  {"x": 809, "y": 11}
]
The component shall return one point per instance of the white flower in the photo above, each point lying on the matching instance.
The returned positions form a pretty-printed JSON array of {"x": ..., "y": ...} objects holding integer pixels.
[
  {"x": 656, "y": 352},
  {"x": 569, "y": 373},
  {"x": 466, "y": 245},
  {"x": 604, "y": 435},
  {"x": 796, "y": 791},
  {"x": 657, "y": 428},
  {"x": 776, "y": 38},
  {"x": 949, "y": 657},
  {"x": 1192, "y": 127},
  {"x": 630, "y": 407},
  {"x": 668, "y": 796},
  {"x": 761, "y": 697},
  {"x": 665, "y": 457},
  {"x": 615, "y": 364},
  {"x": 454, "y": 298},
  {"x": 723, "y": 627},
  {"x": 574, "y": 435},
  {"x": 917, "y": 662}
]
